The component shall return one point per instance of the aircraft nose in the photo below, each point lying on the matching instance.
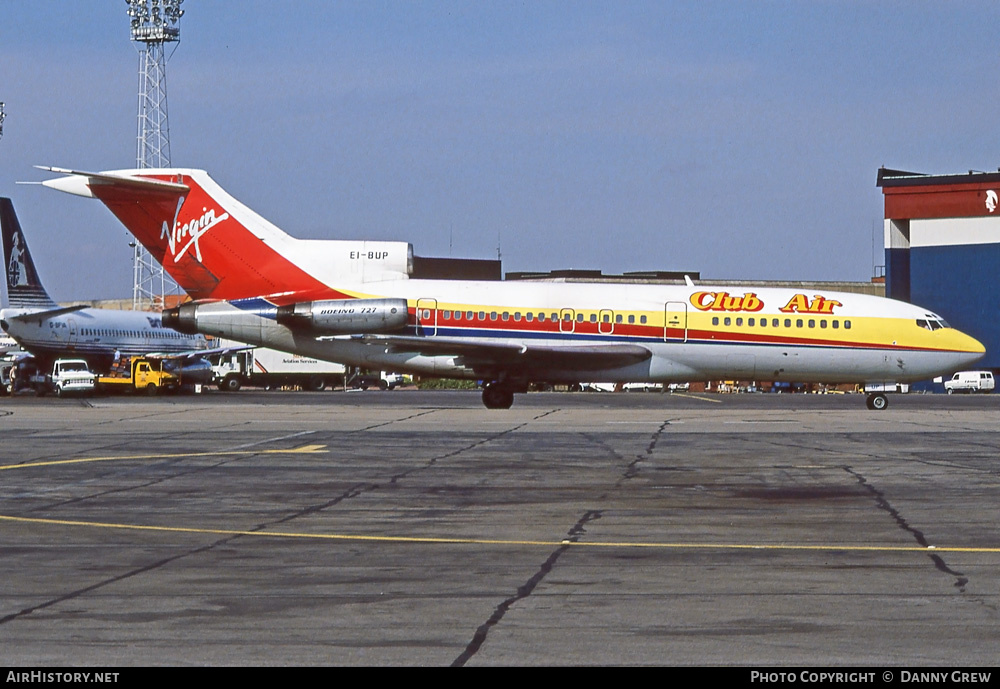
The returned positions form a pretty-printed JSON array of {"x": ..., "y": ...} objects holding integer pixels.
[{"x": 968, "y": 349}]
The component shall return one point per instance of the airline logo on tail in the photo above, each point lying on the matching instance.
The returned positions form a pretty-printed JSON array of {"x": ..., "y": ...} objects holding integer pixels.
[
  {"x": 17, "y": 271},
  {"x": 187, "y": 235},
  {"x": 24, "y": 289}
]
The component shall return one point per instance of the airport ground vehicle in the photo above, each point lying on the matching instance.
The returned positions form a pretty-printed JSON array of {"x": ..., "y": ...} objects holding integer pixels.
[
  {"x": 970, "y": 381},
  {"x": 269, "y": 368},
  {"x": 142, "y": 374},
  {"x": 383, "y": 380},
  {"x": 361, "y": 303},
  {"x": 643, "y": 387},
  {"x": 68, "y": 376},
  {"x": 598, "y": 387}
]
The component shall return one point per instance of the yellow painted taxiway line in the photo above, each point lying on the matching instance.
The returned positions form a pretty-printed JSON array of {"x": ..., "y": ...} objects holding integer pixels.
[
  {"x": 503, "y": 542},
  {"x": 304, "y": 449}
]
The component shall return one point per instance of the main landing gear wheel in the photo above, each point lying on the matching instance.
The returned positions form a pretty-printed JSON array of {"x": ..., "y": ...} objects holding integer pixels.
[
  {"x": 877, "y": 401},
  {"x": 496, "y": 397}
]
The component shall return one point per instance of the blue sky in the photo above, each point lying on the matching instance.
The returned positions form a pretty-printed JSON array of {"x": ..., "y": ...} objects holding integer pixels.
[{"x": 738, "y": 139}]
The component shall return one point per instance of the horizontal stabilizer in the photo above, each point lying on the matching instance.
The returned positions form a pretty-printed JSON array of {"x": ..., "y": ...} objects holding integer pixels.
[
  {"x": 80, "y": 183},
  {"x": 48, "y": 313}
]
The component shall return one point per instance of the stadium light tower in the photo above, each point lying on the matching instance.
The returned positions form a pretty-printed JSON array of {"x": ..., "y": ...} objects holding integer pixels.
[{"x": 154, "y": 25}]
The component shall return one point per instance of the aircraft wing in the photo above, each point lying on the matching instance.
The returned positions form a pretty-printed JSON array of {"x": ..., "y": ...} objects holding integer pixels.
[
  {"x": 192, "y": 354},
  {"x": 518, "y": 354},
  {"x": 13, "y": 347}
]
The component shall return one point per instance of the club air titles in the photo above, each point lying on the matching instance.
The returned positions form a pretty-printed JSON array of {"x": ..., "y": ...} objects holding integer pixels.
[{"x": 751, "y": 303}]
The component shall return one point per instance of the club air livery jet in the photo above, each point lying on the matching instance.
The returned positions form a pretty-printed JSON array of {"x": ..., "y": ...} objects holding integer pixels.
[
  {"x": 49, "y": 331},
  {"x": 354, "y": 302}
]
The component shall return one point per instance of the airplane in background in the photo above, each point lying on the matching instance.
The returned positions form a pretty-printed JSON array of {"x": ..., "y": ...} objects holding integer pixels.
[
  {"x": 355, "y": 302},
  {"x": 100, "y": 336}
]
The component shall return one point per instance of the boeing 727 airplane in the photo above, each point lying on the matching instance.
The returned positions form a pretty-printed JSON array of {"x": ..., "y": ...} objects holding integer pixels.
[
  {"x": 49, "y": 331},
  {"x": 355, "y": 302}
]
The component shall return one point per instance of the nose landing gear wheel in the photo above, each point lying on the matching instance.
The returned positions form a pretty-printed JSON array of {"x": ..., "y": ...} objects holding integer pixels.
[{"x": 877, "y": 401}]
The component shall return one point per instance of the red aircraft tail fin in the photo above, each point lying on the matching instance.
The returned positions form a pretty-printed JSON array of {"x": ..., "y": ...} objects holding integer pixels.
[{"x": 212, "y": 245}]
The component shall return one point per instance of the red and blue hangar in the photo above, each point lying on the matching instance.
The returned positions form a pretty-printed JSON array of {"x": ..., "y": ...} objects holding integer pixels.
[{"x": 942, "y": 248}]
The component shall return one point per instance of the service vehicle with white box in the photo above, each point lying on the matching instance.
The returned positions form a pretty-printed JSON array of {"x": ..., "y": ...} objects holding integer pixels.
[{"x": 970, "y": 381}]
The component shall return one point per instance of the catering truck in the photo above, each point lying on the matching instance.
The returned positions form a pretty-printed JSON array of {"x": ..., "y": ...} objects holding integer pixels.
[{"x": 269, "y": 368}]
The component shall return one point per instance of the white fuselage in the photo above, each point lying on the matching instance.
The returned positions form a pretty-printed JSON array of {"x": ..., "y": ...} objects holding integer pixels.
[
  {"x": 97, "y": 335},
  {"x": 693, "y": 333}
]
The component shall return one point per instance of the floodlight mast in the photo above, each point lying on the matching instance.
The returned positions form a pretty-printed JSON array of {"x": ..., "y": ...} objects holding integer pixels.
[{"x": 153, "y": 26}]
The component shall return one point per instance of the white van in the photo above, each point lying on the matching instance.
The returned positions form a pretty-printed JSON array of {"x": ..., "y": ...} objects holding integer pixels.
[{"x": 970, "y": 381}]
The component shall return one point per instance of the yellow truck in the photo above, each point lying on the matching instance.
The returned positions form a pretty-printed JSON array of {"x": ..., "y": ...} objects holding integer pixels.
[{"x": 140, "y": 373}]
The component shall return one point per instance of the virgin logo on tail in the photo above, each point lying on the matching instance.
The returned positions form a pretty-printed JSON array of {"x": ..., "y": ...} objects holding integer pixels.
[{"x": 187, "y": 235}]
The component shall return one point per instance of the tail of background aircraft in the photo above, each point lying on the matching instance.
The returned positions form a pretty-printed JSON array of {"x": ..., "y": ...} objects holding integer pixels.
[{"x": 24, "y": 289}]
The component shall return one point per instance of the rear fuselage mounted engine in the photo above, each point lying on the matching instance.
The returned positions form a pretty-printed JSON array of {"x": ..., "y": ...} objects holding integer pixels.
[{"x": 345, "y": 316}]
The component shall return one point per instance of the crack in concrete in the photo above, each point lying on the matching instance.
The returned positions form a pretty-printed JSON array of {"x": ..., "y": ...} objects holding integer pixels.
[
  {"x": 524, "y": 590},
  {"x": 883, "y": 503},
  {"x": 574, "y": 534}
]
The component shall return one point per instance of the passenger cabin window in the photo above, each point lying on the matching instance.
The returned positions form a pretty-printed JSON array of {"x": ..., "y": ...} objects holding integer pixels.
[{"x": 642, "y": 320}]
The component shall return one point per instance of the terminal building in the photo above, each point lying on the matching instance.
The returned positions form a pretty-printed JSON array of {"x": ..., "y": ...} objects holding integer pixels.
[{"x": 942, "y": 249}]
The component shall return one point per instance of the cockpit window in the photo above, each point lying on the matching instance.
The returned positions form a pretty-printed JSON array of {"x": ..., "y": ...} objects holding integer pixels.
[{"x": 932, "y": 323}]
